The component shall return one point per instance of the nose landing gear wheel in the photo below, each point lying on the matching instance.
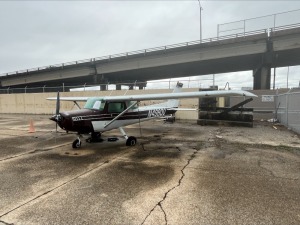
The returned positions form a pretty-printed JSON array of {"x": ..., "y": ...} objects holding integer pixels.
[
  {"x": 131, "y": 141},
  {"x": 76, "y": 143}
]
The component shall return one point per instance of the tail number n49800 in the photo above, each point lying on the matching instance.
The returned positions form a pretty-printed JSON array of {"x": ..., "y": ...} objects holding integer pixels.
[{"x": 157, "y": 112}]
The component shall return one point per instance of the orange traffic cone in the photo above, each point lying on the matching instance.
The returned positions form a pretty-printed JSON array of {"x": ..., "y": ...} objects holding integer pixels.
[{"x": 31, "y": 127}]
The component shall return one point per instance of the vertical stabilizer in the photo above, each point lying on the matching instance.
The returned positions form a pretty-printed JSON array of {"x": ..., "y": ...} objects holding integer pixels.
[
  {"x": 178, "y": 87},
  {"x": 174, "y": 103},
  {"x": 171, "y": 103}
]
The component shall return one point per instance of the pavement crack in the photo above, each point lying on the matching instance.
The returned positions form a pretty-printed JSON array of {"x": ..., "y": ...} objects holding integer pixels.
[
  {"x": 57, "y": 187},
  {"x": 260, "y": 166},
  {"x": 4, "y": 223},
  {"x": 14, "y": 156},
  {"x": 165, "y": 215},
  {"x": 160, "y": 203},
  {"x": 32, "y": 152},
  {"x": 47, "y": 149},
  {"x": 271, "y": 173},
  {"x": 241, "y": 173}
]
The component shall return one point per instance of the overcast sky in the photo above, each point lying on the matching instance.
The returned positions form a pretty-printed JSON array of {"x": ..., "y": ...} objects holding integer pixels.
[{"x": 41, "y": 33}]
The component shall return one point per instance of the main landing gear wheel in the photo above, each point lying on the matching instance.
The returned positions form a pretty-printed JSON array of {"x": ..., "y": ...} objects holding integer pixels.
[
  {"x": 76, "y": 143},
  {"x": 131, "y": 141}
]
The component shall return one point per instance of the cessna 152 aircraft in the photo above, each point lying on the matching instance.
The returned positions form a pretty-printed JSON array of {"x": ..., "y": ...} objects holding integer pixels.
[{"x": 102, "y": 114}]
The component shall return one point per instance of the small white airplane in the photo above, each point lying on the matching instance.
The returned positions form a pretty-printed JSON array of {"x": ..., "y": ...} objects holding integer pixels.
[{"x": 102, "y": 114}]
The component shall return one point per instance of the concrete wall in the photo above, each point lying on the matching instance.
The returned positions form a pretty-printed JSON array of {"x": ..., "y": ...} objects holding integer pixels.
[{"x": 36, "y": 103}]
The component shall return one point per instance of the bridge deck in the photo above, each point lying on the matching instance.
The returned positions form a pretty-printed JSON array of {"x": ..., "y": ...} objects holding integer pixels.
[{"x": 275, "y": 47}]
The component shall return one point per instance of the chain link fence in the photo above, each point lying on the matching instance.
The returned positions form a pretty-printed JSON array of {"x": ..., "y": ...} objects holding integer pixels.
[{"x": 288, "y": 110}]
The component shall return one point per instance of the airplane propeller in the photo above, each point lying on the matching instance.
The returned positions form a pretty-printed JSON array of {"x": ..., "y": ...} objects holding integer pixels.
[
  {"x": 57, "y": 116},
  {"x": 57, "y": 104}
]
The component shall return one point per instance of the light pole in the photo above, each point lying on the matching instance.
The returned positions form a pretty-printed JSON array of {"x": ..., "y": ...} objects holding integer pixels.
[
  {"x": 200, "y": 8},
  {"x": 287, "y": 77}
]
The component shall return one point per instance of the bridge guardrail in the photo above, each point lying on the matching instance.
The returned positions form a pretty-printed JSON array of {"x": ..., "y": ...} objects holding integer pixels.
[
  {"x": 165, "y": 84},
  {"x": 286, "y": 27}
]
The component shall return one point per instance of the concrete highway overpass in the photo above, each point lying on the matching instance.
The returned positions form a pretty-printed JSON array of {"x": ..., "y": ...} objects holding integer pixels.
[{"x": 258, "y": 51}]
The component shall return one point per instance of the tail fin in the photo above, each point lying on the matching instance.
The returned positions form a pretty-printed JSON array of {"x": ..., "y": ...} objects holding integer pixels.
[
  {"x": 174, "y": 103},
  {"x": 171, "y": 103},
  {"x": 178, "y": 87}
]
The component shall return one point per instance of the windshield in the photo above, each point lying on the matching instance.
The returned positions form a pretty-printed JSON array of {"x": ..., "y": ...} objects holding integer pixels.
[{"x": 94, "y": 103}]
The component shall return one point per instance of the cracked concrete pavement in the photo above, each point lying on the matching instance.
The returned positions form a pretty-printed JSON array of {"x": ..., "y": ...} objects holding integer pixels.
[{"x": 178, "y": 173}]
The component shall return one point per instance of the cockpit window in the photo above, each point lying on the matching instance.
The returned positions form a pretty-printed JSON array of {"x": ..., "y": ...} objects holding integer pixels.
[
  {"x": 97, "y": 105},
  {"x": 129, "y": 103},
  {"x": 94, "y": 103},
  {"x": 116, "y": 107}
]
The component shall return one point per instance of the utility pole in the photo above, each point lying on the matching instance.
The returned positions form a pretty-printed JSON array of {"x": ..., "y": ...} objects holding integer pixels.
[
  {"x": 287, "y": 77},
  {"x": 274, "y": 76}
]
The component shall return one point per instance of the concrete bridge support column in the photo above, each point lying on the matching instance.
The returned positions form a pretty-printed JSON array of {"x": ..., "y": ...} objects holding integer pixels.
[
  {"x": 118, "y": 87},
  {"x": 262, "y": 78},
  {"x": 141, "y": 84},
  {"x": 103, "y": 87}
]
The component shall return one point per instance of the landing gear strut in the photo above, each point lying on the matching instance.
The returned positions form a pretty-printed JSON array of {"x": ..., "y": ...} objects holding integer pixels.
[
  {"x": 130, "y": 141},
  {"x": 96, "y": 137},
  {"x": 76, "y": 143}
]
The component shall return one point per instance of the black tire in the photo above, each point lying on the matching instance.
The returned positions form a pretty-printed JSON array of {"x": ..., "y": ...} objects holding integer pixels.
[
  {"x": 131, "y": 141},
  {"x": 76, "y": 143}
]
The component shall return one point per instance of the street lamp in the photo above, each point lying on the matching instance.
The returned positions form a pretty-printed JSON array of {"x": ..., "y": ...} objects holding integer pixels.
[{"x": 200, "y": 21}]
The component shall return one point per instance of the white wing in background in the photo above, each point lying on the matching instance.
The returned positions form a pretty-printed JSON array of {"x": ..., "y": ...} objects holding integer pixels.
[{"x": 146, "y": 97}]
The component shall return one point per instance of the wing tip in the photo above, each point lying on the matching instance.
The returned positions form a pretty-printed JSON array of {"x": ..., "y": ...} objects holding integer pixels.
[{"x": 249, "y": 94}]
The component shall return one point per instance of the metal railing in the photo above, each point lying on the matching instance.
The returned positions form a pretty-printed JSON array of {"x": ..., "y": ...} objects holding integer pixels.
[
  {"x": 164, "y": 84},
  {"x": 285, "y": 27},
  {"x": 258, "y": 21}
]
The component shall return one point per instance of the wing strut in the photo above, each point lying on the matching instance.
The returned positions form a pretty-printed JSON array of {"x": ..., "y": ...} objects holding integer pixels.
[
  {"x": 75, "y": 103},
  {"x": 121, "y": 114}
]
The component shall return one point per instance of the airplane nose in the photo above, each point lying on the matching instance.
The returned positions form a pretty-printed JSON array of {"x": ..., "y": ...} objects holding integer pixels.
[
  {"x": 56, "y": 118},
  {"x": 60, "y": 120}
]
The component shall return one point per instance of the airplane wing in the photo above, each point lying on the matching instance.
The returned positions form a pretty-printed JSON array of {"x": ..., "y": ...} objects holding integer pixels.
[
  {"x": 146, "y": 97},
  {"x": 197, "y": 94}
]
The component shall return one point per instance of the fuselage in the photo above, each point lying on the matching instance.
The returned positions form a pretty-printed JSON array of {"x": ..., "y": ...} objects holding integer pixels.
[
  {"x": 91, "y": 120},
  {"x": 100, "y": 114}
]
